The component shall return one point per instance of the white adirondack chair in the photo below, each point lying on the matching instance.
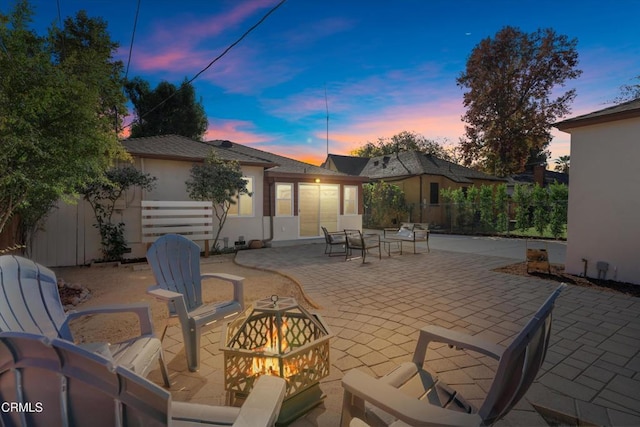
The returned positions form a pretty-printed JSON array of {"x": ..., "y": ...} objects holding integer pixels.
[
  {"x": 29, "y": 302},
  {"x": 175, "y": 261},
  {"x": 410, "y": 395},
  {"x": 57, "y": 383}
]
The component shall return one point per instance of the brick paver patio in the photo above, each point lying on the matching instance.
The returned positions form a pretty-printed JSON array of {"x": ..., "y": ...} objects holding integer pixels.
[{"x": 592, "y": 370}]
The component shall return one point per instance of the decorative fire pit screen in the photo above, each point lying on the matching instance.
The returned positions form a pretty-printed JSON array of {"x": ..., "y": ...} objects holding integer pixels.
[{"x": 277, "y": 337}]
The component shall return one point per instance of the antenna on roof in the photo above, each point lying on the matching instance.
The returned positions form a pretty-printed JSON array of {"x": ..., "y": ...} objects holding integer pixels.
[{"x": 326, "y": 103}]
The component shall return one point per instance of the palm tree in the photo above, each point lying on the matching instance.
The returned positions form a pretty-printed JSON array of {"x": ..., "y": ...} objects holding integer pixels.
[{"x": 562, "y": 164}]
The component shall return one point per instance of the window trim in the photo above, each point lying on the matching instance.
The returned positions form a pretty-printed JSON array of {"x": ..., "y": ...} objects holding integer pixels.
[
  {"x": 290, "y": 185},
  {"x": 344, "y": 200},
  {"x": 239, "y": 197}
]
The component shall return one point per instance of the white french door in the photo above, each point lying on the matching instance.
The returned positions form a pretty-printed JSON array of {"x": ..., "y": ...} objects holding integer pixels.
[{"x": 318, "y": 205}]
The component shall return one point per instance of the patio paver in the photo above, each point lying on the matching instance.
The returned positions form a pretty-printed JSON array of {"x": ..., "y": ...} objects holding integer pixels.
[{"x": 375, "y": 311}]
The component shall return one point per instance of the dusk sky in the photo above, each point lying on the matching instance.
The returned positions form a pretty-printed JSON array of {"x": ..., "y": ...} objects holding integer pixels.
[{"x": 386, "y": 66}]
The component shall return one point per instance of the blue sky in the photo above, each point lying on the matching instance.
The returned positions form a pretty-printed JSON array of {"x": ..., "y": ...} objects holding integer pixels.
[{"x": 386, "y": 66}]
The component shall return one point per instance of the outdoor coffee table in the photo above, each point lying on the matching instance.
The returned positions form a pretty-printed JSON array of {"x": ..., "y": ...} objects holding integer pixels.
[{"x": 386, "y": 244}]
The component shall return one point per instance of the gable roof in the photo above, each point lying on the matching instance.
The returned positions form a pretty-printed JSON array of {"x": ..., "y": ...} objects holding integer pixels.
[
  {"x": 626, "y": 110},
  {"x": 348, "y": 164},
  {"x": 413, "y": 163}
]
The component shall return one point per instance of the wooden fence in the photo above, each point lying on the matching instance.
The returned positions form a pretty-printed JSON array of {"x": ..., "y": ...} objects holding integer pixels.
[{"x": 191, "y": 219}]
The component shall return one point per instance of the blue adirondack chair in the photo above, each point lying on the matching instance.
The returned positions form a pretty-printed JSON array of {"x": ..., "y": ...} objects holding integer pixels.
[
  {"x": 29, "y": 302},
  {"x": 57, "y": 383},
  {"x": 175, "y": 261}
]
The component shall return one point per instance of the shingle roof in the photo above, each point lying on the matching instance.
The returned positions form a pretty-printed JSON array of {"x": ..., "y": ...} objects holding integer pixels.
[
  {"x": 348, "y": 164},
  {"x": 413, "y": 163},
  {"x": 626, "y": 110},
  {"x": 182, "y": 148},
  {"x": 281, "y": 164}
]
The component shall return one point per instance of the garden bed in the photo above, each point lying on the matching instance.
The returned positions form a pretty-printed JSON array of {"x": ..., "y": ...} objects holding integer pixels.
[{"x": 558, "y": 275}]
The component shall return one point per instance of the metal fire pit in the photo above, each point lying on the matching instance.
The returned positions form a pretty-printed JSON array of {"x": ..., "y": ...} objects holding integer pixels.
[{"x": 277, "y": 337}]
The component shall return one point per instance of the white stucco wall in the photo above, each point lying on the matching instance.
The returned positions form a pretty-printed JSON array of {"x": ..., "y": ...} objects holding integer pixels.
[{"x": 604, "y": 200}]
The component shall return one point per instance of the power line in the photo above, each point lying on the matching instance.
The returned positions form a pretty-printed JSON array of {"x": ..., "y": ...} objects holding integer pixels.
[
  {"x": 216, "y": 59},
  {"x": 133, "y": 35}
]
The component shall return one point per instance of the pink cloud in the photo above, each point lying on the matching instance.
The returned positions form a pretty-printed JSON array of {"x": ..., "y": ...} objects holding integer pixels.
[{"x": 234, "y": 130}]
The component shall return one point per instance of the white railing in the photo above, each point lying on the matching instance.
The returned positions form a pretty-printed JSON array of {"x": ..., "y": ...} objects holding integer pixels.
[{"x": 191, "y": 219}]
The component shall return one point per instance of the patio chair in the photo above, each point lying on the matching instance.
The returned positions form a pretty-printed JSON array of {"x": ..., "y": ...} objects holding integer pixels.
[
  {"x": 413, "y": 396},
  {"x": 334, "y": 238},
  {"x": 361, "y": 243},
  {"x": 57, "y": 383},
  {"x": 175, "y": 262},
  {"x": 29, "y": 302}
]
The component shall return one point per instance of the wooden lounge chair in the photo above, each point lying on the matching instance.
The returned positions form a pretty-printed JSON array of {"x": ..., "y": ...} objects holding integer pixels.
[
  {"x": 57, "y": 383},
  {"x": 413, "y": 396},
  {"x": 334, "y": 238},
  {"x": 361, "y": 243},
  {"x": 29, "y": 302},
  {"x": 175, "y": 261}
]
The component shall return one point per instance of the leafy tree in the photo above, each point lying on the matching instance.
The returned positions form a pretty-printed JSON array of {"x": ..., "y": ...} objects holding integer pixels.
[
  {"x": 562, "y": 164},
  {"x": 166, "y": 110},
  {"x": 522, "y": 198},
  {"x": 511, "y": 80},
  {"x": 56, "y": 128},
  {"x": 558, "y": 199},
  {"x": 486, "y": 205},
  {"x": 540, "y": 204},
  {"x": 219, "y": 181},
  {"x": 403, "y": 141},
  {"x": 102, "y": 194},
  {"x": 502, "y": 205},
  {"x": 628, "y": 92},
  {"x": 385, "y": 202}
]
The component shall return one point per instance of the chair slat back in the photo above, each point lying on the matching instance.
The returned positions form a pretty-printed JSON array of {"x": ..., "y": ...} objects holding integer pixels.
[
  {"x": 175, "y": 262},
  {"x": 520, "y": 363},
  {"x": 29, "y": 298},
  {"x": 73, "y": 386}
]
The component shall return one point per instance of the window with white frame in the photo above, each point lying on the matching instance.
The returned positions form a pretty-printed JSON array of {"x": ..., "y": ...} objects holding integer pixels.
[
  {"x": 243, "y": 205},
  {"x": 284, "y": 199},
  {"x": 350, "y": 200}
]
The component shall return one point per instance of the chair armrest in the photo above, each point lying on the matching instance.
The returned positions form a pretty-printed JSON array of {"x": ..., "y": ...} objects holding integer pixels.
[
  {"x": 142, "y": 310},
  {"x": 460, "y": 340},
  {"x": 163, "y": 294},
  {"x": 412, "y": 411},
  {"x": 236, "y": 281},
  {"x": 262, "y": 407}
]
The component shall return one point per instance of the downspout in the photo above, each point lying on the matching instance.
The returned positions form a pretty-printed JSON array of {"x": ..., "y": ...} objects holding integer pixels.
[
  {"x": 271, "y": 210},
  {"x": 421, "y": 198}
]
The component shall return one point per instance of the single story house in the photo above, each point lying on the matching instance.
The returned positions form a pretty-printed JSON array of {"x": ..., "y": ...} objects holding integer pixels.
[
  {"x": 421, "y": 176},
  {"x": 290, "y": 200},
  {"x": 603, "y": 230}
]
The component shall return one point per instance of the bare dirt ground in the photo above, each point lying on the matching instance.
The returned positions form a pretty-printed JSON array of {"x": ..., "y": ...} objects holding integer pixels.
[
  {"x": 128, "y": 284},
  {"x": 558, "y": 275}
]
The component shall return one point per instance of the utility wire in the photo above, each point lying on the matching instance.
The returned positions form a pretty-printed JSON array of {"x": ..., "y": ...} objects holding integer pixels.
[
  {"x": 216, "y": 59},
  {"x": 133, "y": 35}
]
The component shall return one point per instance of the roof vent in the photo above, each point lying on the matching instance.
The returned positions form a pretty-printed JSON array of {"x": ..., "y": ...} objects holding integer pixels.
[
  {"x": 376, "y": 163},
  {"x": 386, "y": 159},
  {"x": 226, "y": 144}
]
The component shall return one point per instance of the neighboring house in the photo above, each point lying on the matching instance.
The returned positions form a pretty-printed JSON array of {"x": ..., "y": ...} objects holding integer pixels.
[
  {"x": 290, "y": 199},
  {"x": 421, "y": 177},
  {"x": 604, "y": 201},
  {"x": 540, "y": 175}
]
